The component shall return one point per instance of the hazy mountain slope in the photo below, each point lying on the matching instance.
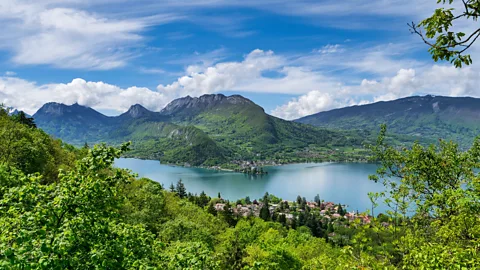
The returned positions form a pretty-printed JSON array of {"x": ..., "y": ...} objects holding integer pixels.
[
  {"x": 456, "y": 118},
  {"x": 75, "y": 124}
]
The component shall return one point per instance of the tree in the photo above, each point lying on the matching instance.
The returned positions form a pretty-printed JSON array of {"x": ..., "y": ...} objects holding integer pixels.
[
  {"x": 293, "y": 223},
  {"x": 23, "y": 119},
  {"x": 74, "y": 223},
  {"x": 442, "y": 185},
  {"x": 219, "y": 195},
  {"x": 301, "y": 219},
  {"x": 341, "y": 211},
  {"x": 265, "y": 212},
  {"x": 227, "y": 214},
  {"x": 211, "y": 209},
  {"x": 247, "y": 200},
  {"x": 317, "y": 200},
  {"x": 172, "y": 188},
  {"x": 444, "y": 43},
  {"x": 303, "y": 203},
  {"x": 266, "y": 198},
  {"x": 203, "y": 199},
  {"x": 181, "y": 190},
  {"x": 299, "y": 199},
  {"x": 282, "y": 219},
  {"x": 191, "y": 197}
]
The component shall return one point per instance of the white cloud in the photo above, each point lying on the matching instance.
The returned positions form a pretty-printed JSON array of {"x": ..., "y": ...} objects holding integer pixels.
[
  {"x": 313, "y": 102},
  {"x": 52, "y": 33},
  {"x": 28, "y": 96},
  {"x": 152, "y": 70},
  {"x": 223, "y": 76},
  {"x": 436, "y": 80},
  {"x": 10, "y": 73},
  {"x": 317, "y": 89},
  {"x": 328, "y": 49}
]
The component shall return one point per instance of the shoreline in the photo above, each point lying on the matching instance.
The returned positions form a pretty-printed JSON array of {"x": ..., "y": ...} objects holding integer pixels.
[{"x": 265, "y": 166}]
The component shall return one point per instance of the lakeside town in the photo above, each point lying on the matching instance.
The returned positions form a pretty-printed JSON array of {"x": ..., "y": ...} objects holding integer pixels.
[{"x": 328, "y": 211}]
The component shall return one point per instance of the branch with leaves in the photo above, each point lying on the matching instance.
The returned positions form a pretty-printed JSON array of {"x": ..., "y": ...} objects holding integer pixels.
[{"x": 446, "y": 44}]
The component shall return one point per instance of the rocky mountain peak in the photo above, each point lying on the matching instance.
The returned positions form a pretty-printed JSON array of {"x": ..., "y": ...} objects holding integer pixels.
[
  {"x": 52, "y": 108},
  {"x": 137, "y": 111},
  {"x": 202, "y": 102}
]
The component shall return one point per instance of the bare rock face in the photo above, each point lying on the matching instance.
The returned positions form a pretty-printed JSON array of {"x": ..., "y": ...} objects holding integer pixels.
[
  {"x": 137, "y": 111},
  {"x": 52, "y": 108},
  {"x": 59, "y": 109},
  {"x": 195, "y": 104},
  {"x": 75, "y": 112}
]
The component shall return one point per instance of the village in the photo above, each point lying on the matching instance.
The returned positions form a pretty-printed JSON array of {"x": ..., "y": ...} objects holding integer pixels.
[{"x": 329, "y": 211}]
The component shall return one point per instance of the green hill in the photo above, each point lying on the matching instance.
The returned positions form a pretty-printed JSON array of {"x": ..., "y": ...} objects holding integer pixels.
[
  {"x": 152, "y": 136},
  {"x": 239, "y": 124},
  {"x": 433, "y": 117},
  {"x": 209, "y": 130}
]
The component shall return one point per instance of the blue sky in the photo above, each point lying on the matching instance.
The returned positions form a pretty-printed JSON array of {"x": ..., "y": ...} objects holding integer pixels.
[{"x": 294, "y": 58}]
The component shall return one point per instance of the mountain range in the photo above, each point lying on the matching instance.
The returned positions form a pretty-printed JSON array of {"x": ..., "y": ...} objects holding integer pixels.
[
  {"x": 208, "y": 130},
  {"x": 433, "y": 117},
  {"x": 218, "y": 129}
]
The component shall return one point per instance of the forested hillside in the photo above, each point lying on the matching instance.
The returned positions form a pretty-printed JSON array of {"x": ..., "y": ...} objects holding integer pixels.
[
  {"x": 433, "y": 117},
  {"x": 68, "y": 208},
  {"x": 209, "y": 130}
]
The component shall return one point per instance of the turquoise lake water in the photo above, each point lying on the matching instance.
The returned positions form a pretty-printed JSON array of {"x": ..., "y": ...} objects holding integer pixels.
[{"x": 345, "y": 183}]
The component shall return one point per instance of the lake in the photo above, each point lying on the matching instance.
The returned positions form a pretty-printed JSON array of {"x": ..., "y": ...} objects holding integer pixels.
[{"x": 345, "y": 183}]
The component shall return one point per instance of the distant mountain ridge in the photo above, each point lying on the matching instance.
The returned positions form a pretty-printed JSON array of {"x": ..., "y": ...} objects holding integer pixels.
[
  {"x": 209, "y": 129},
  {"x": 196, "y": 104},
  {"x": 456, "y": 118}
]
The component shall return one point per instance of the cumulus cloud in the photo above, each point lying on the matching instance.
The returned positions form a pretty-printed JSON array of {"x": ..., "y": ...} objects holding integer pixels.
[
  {"x": 248, "y": 76},
  {"x": 313, "y": 102},
  {"x": 223, "y": 76},
  {"x": 437, "y": 80},
  {"x": 28, "y": 96},
  {"x": 317, "y": 89}
]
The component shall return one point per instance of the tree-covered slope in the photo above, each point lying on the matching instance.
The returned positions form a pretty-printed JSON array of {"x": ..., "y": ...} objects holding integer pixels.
[
  {"x": 151, "y": 135},
  {"x": 208, "y": 130},
  {"x": 92, "y": 215},
  {"x": 75, "y": 124},
  {"x": 434, "y": 117},
  {"x": 239, "y": 124}
]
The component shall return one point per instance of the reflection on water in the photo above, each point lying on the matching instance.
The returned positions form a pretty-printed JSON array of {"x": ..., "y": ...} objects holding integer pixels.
[{"x": 338, "y": 182}]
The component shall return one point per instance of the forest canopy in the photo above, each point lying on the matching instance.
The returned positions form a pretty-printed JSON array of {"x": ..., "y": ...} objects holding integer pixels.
[{"x": 67, "y": 208}]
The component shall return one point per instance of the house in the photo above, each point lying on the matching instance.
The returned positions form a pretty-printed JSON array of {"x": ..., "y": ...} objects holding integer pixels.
[
  {"x": 350, "y": 216},
  {"x": 329, "y": 205},
  {"x": 312, "y": 204},
  {"x": 364, "y": 219},
  {"x": 219, "y": 206}
]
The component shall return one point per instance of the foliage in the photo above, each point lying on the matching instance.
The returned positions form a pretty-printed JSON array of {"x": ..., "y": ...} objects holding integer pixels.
[
  {"x": 218, "y": 134},
  {"x": 420, "y": 118},
  {"x": 32, "y": 150},
  {"x": 442, "y": 188},
  {"x": 71, "y": 224},
  {"x": 23, "y": 119},
  {"x": 95, "y": 216},
  {"x": 450, "y": 45}
]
